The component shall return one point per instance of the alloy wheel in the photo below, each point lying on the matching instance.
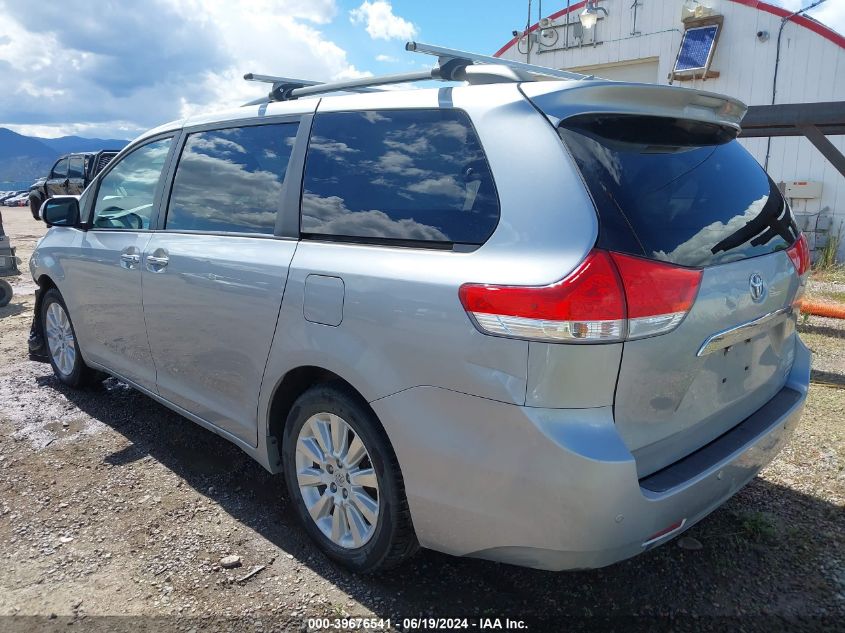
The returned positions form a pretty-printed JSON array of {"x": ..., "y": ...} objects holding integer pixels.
[
  {"x": 337, "y": 481},
  {"x": 60, "y": 339}
]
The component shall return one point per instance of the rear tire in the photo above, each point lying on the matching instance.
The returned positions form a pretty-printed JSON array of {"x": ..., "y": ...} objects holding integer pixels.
[
  {"x": 344, "y": 480},
  {"x": 61, "y": 344}
]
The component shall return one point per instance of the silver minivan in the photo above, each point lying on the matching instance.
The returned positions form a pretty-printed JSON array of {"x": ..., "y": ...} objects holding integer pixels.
[{"x": 549, "y": 323}]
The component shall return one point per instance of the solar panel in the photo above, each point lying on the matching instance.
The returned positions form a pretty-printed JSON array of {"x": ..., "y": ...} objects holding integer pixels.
[{"x": 696, "y": 48}]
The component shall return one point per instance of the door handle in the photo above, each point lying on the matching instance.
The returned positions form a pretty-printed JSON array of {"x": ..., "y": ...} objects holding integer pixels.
[
  {"x": 157, "y": 262},
  {"x": 130, "y": 259},
  {"x": 66, "y": 183}
]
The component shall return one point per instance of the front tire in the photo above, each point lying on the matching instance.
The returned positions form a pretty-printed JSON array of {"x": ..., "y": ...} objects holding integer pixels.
[
  {"x": 62, "y": 346},
  {"x": 35, "y": 206},
  {"x": 345, "y": 482}
]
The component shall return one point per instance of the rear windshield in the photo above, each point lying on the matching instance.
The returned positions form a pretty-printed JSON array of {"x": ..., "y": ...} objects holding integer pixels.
[{"x": 677, "y": 190}]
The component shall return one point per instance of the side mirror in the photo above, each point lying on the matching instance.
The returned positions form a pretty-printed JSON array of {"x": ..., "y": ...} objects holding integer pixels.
[{"x": 60, "y": 211}]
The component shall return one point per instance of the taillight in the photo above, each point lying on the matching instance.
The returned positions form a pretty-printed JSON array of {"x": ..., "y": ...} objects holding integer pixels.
[
  {"x": 799, "y": 253},
  {"x": 586, "y": 305},
  {"x": 658, "y": 294},
  {"x": 608, "y": 297}
]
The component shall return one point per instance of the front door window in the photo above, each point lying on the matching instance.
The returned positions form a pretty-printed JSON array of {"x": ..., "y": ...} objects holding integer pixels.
[{"x": 127, "y": 192}]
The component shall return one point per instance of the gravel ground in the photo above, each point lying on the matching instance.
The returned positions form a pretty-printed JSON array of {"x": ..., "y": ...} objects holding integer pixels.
[{"x": 112, "y": 505}]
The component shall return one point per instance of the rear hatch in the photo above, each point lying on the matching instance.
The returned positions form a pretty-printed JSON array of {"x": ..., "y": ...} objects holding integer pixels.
[{"x": 683, "y": 191}]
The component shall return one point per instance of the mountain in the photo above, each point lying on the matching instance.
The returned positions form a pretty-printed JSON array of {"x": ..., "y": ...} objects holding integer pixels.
[
  {"x": 13, "y": 144},
  {"x": 26, "y": 158},
  {"x": 22, "y": 157},
  {"x": 65, "y": 144}
]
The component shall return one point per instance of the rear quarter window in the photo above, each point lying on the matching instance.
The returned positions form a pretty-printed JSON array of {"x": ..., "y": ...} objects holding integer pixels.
[
  {"x": 677, "y": 190},
  {"x": 416, "y": 176}
]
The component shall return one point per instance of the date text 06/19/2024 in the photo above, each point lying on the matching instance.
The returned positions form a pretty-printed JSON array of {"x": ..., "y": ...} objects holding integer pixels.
[{"x": 416, "y": 624}]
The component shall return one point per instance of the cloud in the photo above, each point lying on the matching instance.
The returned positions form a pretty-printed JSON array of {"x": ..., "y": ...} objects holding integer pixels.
[
  {"x": 830, "y": 13},
  {"x": 393, "y": 162},
  {"x": 216, "y": 144},
  {"x": 330, "y": 216},
  {"x": 440, "y": 186},
  {"x": 374, "y": 117},
  {"x": 418, "y": 145},
  {"x": 250, "y": 193},
  {"x": 381, "y": 23},
  {"x": 331, "y": 149},
  {"x": 696, "y": 251},
  {"x": 142, "y": 172},
  {"x": 386, "y": 59},
  {"x": 117, "y": 50},
  {"x": 134, "y": 66}
]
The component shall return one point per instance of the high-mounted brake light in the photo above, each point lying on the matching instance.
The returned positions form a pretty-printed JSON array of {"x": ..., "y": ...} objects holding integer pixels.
[
  {"x": 799, "y": 253},
  {"x": 608, "y": 297}
]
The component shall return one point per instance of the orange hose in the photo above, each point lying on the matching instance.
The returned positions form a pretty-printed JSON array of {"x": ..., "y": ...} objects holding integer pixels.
[{"x": 820, "y": 308}]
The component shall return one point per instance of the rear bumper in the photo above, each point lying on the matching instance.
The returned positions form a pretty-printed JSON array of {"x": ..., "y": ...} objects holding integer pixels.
[{"x": 557, "y": 488}]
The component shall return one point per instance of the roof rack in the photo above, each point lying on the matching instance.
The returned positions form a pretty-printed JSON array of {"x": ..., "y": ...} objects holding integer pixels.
[
  {"x": 283, "y": 85},
  {"x": 452, "y": 65},
  {"x": 447, "y": 55}
]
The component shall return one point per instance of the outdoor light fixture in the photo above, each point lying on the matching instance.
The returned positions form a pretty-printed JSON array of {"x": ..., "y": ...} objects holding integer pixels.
[{"x": 590, "y": 15}]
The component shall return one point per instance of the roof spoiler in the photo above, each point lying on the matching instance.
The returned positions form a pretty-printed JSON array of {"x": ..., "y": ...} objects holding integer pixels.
[{"x": 561, "y": 100}]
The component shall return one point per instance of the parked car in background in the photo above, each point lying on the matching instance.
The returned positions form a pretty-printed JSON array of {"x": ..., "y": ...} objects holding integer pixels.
[
  {"x": 69, "y": 176},
  {"x": 547, "y": 323},
  {"x": 19, "y": 200},
  {"x": 7, "y": 195}
]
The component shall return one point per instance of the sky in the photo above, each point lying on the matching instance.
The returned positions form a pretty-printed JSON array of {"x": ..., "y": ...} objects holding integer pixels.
[{"x": 115, "y": 68}]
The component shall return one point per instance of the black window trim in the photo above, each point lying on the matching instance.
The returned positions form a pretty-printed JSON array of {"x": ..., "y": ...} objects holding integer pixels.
[
  {"x": 388, "y": 241},
  {"x": 458, "y": 247},
  {"x": 292, "y": 175},
  {"x": 88, "y": 212}
]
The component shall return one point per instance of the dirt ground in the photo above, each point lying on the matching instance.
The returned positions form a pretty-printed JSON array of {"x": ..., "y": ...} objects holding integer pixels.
[{"x": 112, "y": 505}]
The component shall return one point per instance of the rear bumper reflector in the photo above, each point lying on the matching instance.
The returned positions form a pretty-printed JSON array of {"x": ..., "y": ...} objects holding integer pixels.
[{"x": 667, "y": 531}]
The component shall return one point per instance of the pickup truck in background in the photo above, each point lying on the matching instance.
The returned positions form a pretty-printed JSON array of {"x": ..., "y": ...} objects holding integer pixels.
[{"x": 69, "y": 176}]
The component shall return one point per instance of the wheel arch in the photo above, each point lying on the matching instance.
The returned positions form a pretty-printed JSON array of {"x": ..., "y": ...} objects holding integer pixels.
[
  {"x": 293, "y": 384},
  {"x": 45, "y": 282}
]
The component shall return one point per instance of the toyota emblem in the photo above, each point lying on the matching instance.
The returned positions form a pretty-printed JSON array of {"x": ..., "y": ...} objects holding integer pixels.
[{"x": 757, "y": 287}]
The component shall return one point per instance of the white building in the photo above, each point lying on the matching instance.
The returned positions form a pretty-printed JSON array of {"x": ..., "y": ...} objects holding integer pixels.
[{"x": 642, "y": 41}]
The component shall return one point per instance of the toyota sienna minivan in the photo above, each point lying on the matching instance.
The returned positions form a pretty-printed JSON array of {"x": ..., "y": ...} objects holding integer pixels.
[{"x": 548, "y": 323}]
